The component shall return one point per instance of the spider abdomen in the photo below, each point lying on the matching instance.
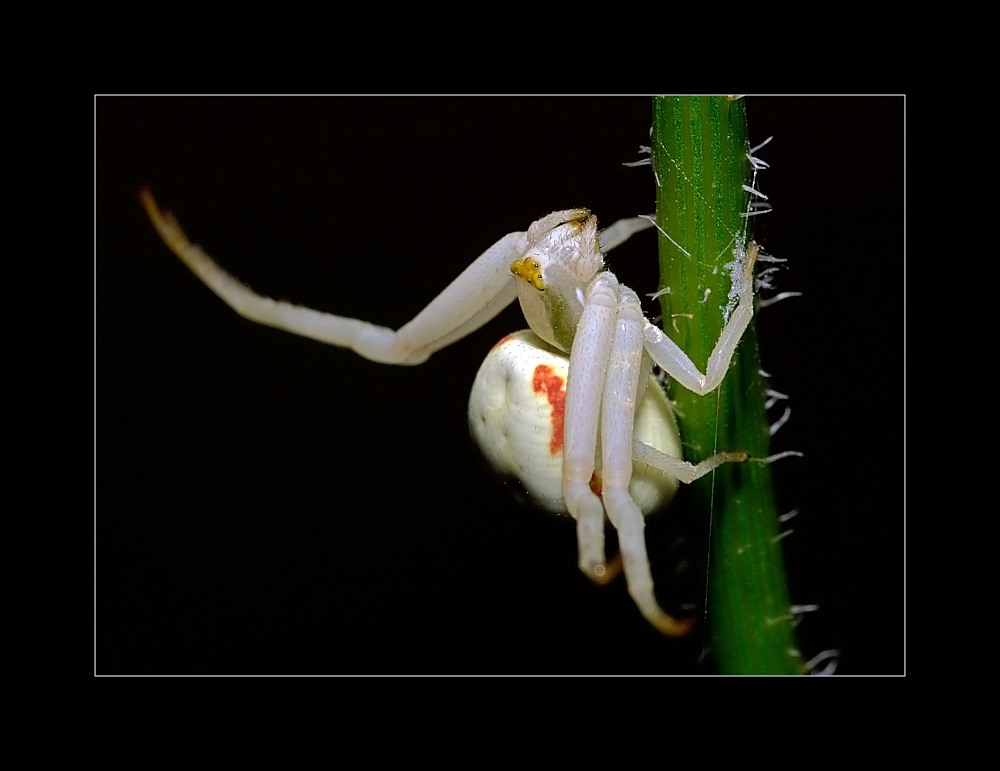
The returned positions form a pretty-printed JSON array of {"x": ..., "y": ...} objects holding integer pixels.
[{"x": 516, "y": 416}]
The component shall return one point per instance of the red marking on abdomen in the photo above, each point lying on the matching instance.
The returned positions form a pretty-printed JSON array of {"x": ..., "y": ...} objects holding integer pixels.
[{"x": 555, "y": 389}]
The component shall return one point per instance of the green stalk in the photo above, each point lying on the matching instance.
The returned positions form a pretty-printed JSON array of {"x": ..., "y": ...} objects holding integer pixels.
[{"x": 699, "y": 155}]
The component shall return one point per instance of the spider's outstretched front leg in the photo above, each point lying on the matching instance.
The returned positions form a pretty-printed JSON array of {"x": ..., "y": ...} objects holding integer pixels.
[{"x": 479, "y": 293}]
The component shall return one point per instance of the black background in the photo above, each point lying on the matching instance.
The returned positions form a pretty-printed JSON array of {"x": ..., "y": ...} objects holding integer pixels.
[{"x": 268, "y": 504}]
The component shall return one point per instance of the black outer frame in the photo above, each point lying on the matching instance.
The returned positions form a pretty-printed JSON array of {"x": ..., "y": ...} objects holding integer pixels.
[{"x": 238, "y": 534}]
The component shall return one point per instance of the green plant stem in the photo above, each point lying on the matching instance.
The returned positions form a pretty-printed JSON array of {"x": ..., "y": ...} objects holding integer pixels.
[{"x": 700, "y": 158}]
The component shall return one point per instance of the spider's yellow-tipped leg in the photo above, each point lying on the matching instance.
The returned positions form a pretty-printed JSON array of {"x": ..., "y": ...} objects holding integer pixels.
[
  {"x": 165, "y": 223},
  {"x": 479, "y": 293},
  {"x": 635, "y": 562}
]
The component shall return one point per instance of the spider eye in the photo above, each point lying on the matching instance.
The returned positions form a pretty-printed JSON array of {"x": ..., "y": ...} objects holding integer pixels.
[{"x": 529, "y": 271}]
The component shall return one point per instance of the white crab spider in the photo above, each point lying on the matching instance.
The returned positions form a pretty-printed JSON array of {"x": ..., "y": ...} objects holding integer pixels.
[{"x": 574, "y": 306}]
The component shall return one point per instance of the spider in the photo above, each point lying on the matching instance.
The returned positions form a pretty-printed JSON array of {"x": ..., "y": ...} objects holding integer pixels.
[{"x": 569, "y": 407}]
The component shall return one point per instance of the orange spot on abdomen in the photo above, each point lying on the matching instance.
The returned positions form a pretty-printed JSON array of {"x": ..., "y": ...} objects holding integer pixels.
[{"x": 555, "y": 389}]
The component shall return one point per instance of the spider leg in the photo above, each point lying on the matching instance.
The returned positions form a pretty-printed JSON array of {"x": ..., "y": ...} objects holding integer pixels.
[
  {"x": 584, "y": 385},
  {"x": 479, "y": 293},
  {"x": 621, "y": 231},
  {"x": 681, "y": 469},
  {"x": 678, "y": 364},
  {"x": 621, "y": 393}
]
